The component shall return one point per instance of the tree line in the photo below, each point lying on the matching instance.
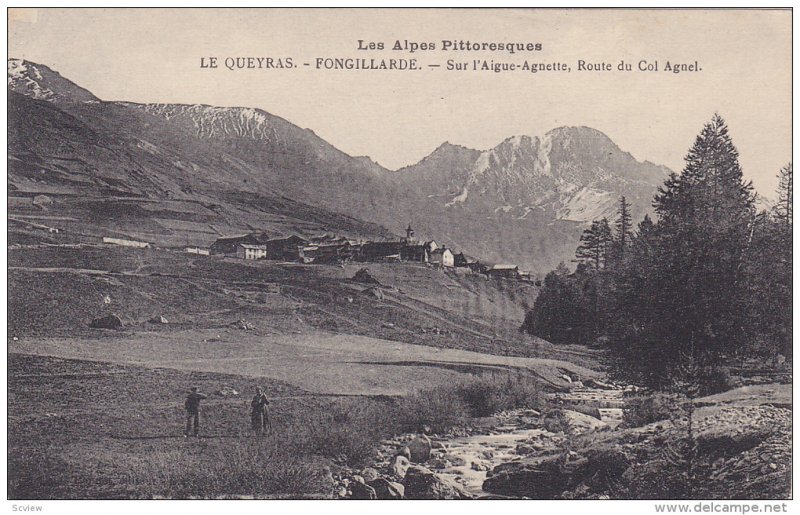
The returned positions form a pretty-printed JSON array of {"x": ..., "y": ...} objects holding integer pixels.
[{"x": 708, "y": 280}]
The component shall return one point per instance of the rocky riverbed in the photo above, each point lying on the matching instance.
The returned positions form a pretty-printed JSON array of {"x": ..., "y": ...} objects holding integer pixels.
[
  {"x": 458, "y": 464},
  {"x": 579, "y": 449}
]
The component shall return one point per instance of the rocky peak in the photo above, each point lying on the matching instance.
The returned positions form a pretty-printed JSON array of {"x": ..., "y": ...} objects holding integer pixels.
[{"x": 42, "y": 83}]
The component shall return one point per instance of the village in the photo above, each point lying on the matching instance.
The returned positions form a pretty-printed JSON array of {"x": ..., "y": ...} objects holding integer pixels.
[
  {"x": 327, "y": 249},
  {"x": 331, "y": 249}
]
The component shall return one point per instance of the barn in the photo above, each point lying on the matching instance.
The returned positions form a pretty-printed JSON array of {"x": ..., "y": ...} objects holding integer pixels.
[
  {"x": 443, "y": 257},
  {"x": 503, "y": 272},
  {"x": 227, "y": 245}
]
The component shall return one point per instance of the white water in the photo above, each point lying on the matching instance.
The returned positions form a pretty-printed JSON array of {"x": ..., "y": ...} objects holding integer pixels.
[
  {"x": 490, "y": 450},
  {"x": 519, "y": 427}
]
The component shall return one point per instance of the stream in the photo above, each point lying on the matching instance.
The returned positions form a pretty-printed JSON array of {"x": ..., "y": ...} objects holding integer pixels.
[{"x": 521, "y": 433}]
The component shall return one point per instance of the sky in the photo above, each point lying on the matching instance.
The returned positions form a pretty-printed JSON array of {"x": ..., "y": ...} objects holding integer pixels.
[{"x": 399, "y": 117}]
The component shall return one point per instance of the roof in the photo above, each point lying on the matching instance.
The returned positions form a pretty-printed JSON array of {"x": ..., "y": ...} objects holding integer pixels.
[
  {"x": 238, "y": 237},
  {"x": 504, "y": 267},
  {"x": 383, "y": 245},
  {"x": 288, "y": 239},
  {"x": 441, "y": 250}
]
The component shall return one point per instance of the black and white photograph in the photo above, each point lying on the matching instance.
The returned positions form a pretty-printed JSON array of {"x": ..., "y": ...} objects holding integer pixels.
[{"x": 331, "y": 254}]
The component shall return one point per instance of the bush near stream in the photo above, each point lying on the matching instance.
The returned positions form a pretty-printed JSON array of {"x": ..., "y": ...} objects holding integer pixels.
[
  {"x": 351, "y": 432},
  {"x": 643, "y": 410}
]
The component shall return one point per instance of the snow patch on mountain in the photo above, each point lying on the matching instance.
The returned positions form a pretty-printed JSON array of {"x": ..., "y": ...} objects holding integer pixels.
[
  {"x": 460, "y": 198},
  {"x": 40, "y": 82},
  {"x": 19, "y": 79},
  {"x": 211, "y": 122},
  {"x": 587, "y": 204},
  {"x": 542, "y": 162}
]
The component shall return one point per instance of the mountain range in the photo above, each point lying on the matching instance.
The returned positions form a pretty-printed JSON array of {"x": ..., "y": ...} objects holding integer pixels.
[{"x": 186, "y": 174}]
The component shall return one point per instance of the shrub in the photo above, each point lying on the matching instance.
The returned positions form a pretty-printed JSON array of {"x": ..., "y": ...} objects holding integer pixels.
[
  {"x": 641, "y": 411},
  {"x": 437, "y": 409},
  {"x": 448, "y": 406},
  {"x": 485, "y": 397},
  {"x": 715, "y": 380},
  {"x": 348, "y": 432}
]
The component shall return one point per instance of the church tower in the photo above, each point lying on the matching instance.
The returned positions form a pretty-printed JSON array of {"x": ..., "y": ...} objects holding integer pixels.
[{"x": 409, "y": 240}]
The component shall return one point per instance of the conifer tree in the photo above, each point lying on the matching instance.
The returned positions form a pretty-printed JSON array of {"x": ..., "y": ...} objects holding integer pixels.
[
  {"x": 685, "y": 284},
  {"x": 783, "y": 209},
  {"x": 623, "y": 225},
  {"x": 595, "y": 245}
]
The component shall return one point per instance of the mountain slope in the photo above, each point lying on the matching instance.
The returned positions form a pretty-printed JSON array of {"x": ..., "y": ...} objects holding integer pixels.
[
  {"x": 528, "y": 199},
  {"x": 40, "y": 82},
  {"x": 104, "y": 178},
  {"x": 524, "y": 201}
]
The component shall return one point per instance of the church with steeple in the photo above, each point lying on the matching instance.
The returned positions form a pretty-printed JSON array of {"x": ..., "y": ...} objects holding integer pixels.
[{"x": 409, "y": 239}]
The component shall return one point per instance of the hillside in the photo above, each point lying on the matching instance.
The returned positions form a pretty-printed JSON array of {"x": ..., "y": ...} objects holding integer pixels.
[
  {"x": 184, "y": 174},
  {"x": 101, "y": 177}
]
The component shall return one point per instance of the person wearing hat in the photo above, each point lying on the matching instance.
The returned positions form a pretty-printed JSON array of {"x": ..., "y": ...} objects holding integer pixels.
[
  {"x": 259, "y": 416},
  {"x": 192, "y": 406}
]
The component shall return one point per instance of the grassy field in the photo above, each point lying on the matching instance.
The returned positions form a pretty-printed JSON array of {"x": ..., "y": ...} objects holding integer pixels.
[{"x": 80, "y": 429}]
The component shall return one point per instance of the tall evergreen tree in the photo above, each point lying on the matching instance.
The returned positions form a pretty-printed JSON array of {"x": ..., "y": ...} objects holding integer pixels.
[
  {"x": 688, "y": 276},
  {"x": 769, "y": 276},
  {"x": 783, "y": 209},
  {"x": 622, "y": 233},
  {"x": 623, "y": 224},
  {"x": 595, "y": 244}
]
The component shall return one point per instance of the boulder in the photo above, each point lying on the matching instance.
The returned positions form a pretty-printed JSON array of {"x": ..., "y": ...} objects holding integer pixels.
[
  {"x": 581, "y": 423},
  {"x": 480, "y": 466},
  {"x": 42, "y": 201},
  {"x": 363, "y": 276},
  {"x": 524, "y": 449},
  {"x": 420, "y": 449},
  {"x": 569, "y": 420},
  {"x": 374, "y": 292},
  {"x": 600, "y": 385},
  {"x": 405, "y": 452},
  {"x": 422, "y": 483},
  {"x": 439, "y": 463},
  {"x": 399, "y": 466},
  {"x": 454, "y": 460},
  {"x": 362, "y": 492},
  {"x": 111, "y": 321},
  {"x": 160, "y": 319},
  {"x": 369, "y": 474},
  {"x": 548, "y": 476},
  {"x": 385, "y": 489},
  {"x": 241, "y": 324}
]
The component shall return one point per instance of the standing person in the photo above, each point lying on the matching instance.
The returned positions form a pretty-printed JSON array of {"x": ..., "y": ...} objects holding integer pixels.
[
  {"x": 259, "y": 416},
  {"x": 192, "y": 406}
]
